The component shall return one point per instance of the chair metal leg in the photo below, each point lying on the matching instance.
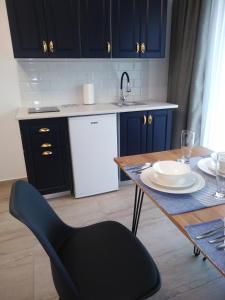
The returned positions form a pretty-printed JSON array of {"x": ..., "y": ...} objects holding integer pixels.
[{"x": 138, "y": 200}]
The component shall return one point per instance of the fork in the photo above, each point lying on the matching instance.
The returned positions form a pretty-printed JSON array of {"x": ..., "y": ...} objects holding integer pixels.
[{"x": 145, "y": 167}]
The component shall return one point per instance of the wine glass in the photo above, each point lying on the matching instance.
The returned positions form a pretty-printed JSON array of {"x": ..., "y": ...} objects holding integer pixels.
[
  {"x": 220, "y": 176},
  {"x": 187, "y": 143}
]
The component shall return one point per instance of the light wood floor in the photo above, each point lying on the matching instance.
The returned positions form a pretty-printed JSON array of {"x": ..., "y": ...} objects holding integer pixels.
[{"x": 24, "y": 267}]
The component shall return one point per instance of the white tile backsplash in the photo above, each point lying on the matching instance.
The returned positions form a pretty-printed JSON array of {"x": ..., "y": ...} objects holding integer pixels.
[{"x": 60, "y": 81}]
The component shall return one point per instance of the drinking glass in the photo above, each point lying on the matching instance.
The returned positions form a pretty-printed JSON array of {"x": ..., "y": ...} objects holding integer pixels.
[
  {"x": 220, "y": 175},
  {"x": 187, "y": 143}
]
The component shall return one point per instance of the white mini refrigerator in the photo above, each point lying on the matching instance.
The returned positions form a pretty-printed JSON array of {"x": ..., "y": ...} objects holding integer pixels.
[{"x": 93, "y": 142}]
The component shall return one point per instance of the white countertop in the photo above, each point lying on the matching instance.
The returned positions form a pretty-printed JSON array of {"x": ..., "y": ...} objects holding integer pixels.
[{"x": 96, "y": 109}]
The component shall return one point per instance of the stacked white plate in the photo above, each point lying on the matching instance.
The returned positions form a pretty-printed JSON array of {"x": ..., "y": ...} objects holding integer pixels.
[
  {"x": 208, "y": 164},
  {"x": 172, "y": 177}
]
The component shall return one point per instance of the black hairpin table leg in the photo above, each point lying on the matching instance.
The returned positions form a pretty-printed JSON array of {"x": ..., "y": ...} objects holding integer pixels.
[
  {"x": 196, "y": 251},
  {"x": 138, "y": 200}
]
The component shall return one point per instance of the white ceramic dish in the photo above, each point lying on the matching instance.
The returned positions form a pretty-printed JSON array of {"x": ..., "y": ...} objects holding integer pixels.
[
  {"x": 205, "y": 164},
  {"x": 172, "y": 172},
  {"x": 198, "y": 185},
  {"x": 187, "y": 181}
]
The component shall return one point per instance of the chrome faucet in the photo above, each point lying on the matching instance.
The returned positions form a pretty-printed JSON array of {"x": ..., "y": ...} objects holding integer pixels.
[{"x": 122, "y": 96}]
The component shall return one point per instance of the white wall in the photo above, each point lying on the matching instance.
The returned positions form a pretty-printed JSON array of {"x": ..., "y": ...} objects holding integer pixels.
[
  {"x": 11, "y": 156},
  {"x": 59, "y": 82}
]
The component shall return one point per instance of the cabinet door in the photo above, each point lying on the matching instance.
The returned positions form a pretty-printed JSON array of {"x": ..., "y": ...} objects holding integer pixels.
[
  {"x": 62, "y": 19},
  {"x": 133, "y": 129},
  {"x": 95, "y": 28},
  {"x": 159, "y": 130},
  {"x": 125, "y": 28},
  {"x": 47, "y": 154},
  {"x": 153, "y": 28},
  {"x": 26, "y": 20}
]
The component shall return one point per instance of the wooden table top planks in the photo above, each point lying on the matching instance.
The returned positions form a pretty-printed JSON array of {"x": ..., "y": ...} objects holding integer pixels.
[{"x": 181, "y": 220}]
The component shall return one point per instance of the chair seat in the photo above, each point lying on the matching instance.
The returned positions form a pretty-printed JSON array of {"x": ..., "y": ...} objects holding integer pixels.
[{"x": 106, "y": 262}]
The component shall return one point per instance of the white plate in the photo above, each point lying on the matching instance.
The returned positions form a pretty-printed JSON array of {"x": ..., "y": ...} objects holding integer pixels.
[
  {"x": 155, "y": 178},
  {"x": 198, "y": 185},
  {"x": 205, "y": 164}
]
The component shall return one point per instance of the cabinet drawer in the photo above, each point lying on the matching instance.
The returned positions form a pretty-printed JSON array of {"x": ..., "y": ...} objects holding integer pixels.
[
  {"x": 45, "y": 134},
  {"x": 44, "y": 131},
  {"x": 48, "y": 170}
]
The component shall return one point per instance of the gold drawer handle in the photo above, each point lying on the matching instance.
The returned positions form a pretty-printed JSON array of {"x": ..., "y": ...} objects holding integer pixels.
[
  {"x": 109, "y": 47},
  {"x": 46, "y": 153},
  {"x": 137, "y": 47},
  {"x": 43, "y": 130},
  {"x": 46, "y": 145},
  {"x": 150, "y": 120},
  {"x": 51, "y": 46},
  {"x": 145, "y": 120},
  {"x": 143, "y": 48},
  {"x": 45, "y": 47}
]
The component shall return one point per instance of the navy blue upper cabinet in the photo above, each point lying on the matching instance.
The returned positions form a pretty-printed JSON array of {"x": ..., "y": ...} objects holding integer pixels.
[
  {"x": 153, "y": 28},
  {"x": 126, "y": 28},
  {"x": 88, "y": 28},
  {"x": 95, "y": 28},
  {"x": 44, "y": 28},
  {"x": 139, "y": 28},
  {"x": 62, "y": 20},
  {"x": 29, "y": 36}
]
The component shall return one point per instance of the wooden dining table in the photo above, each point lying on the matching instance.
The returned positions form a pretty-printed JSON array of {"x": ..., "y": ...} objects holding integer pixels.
[{"x": 179, "y": 220}]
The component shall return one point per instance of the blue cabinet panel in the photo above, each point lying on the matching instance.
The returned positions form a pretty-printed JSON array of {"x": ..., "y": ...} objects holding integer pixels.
[
  {"x": 153, "y": 27},
  {"x": 143, "y": 132},
  {"x": 95, "y": 28},
  {"x": 139, "y": 28},
  {"x": 47, "y": 154},
  {"x": 159, "y": 131}
]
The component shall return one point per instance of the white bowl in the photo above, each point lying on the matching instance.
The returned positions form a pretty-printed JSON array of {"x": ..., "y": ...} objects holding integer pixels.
[{"x": 172, "y": 171}]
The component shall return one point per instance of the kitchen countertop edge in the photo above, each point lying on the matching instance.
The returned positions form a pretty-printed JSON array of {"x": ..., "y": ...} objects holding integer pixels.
[{"x": 95, "y": 109}]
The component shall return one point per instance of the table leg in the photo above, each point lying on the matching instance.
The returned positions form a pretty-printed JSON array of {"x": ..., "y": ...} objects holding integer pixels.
[
  {"x": 196, "y": 251},
  {"x": 138, "y": 200}
]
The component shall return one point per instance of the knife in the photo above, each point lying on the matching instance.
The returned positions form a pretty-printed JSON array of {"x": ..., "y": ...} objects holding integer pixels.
[
  {"x": 220, "y": 247},
  {"x": 218, "y": 239},
  {"x": 209, "y": 233}
]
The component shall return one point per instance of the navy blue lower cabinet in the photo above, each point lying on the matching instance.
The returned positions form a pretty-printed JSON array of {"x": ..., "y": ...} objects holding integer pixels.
[
  {"x": 47, "y": 154},
  {"x": 159, "y": 130},
  {"x": 144, "y": 132}
]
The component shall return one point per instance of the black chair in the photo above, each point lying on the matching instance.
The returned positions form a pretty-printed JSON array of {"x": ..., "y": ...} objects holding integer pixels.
[{"x": 104, "y": 261}]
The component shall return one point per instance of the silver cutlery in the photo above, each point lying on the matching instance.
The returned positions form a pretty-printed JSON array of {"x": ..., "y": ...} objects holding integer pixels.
[
  {"x": 220, "y": 247},
  {"x": 136, "y": 167},
  {"x": 218, "y": 239},
  {"x": 139, "y": 171},
  {"x": 209, "y": 233}
]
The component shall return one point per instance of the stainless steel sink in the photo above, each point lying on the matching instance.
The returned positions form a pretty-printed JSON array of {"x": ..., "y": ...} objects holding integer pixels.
[{"x": 129, "y": 103}]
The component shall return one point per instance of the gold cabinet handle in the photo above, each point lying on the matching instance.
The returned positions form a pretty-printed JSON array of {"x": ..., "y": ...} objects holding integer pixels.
[
  {"x": 137, "y": 47},
  {"x": 45, "y": 47},
  {"x": 150, "y": 119},
  {"x": 46, "y": 145},
  {"x": 109, "y": 47},
  {"x": 51, "y": 46},
  {"x": 143, "y": 48},
  {"x": 46, "y": 153},
  {"x": 145, "y": 120},
  {"x": 43, "y": 130}
]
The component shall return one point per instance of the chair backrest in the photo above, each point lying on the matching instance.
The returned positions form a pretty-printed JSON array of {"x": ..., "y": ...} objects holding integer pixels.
[{"x": 29, "y": 206}]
